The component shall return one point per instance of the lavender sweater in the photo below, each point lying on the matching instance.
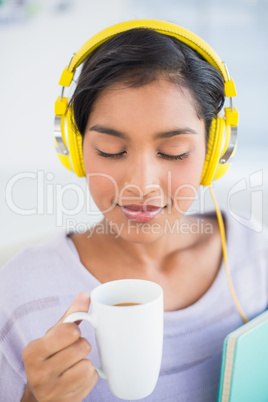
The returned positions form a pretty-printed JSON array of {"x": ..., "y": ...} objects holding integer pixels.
[{"x": 38, "y": 285}]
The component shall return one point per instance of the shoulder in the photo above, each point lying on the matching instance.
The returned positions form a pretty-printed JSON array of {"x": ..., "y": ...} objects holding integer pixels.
[
  {"x": 36, "y": 287},
  {"x": 37, "y": 257},
  {"x": 246, "y": 238},
  {"x": 247, "y": 247},
  {"x": 247, "y": 256},
  {"x": 36, "y": 271}
]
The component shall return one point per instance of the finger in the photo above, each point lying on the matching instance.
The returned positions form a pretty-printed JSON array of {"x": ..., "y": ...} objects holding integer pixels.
[
  {"x": 55, "y": 340},
  {"x": 65, "y": 359},
  {"x": 61, "y": 335},
  {"x": 81, "y": 393},
  {"x": 74, "y": 385},
  {"x": 79, "y": 378},
  {"x": 59, "y": 338},
  {"x": 80, "y": 303}
]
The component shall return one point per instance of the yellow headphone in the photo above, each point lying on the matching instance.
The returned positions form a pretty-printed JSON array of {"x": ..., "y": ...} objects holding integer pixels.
[{"x": 223, "y": 131}]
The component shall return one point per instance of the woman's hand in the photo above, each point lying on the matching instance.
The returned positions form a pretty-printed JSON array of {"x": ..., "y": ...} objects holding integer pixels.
[{"x": 55, "y": 365}]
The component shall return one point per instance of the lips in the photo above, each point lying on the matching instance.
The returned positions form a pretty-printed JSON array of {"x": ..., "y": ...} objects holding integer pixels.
[{"x": 141, "y": 213}]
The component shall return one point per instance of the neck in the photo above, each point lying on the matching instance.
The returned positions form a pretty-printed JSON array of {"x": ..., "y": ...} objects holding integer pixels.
[{"x": 154, "y": 249}]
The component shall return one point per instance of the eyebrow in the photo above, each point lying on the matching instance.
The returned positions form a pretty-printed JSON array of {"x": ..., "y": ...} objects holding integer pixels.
[
  {"x": 109, "y": 131},
  {"x": 167, "y": 134}
]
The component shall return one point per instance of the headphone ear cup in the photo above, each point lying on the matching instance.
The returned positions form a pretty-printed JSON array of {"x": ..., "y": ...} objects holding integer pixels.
[
  {"x": 64, "y": 159},
  {"x": 219, "y": 137},
  {"x": 75, "y": 142}
]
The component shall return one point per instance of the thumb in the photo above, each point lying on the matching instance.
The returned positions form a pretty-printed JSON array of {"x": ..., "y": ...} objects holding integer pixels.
[{"x": 80, "y": 303}]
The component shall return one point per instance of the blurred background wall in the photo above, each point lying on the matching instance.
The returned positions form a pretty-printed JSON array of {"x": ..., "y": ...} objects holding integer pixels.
[{"x": 37, "y": 40}]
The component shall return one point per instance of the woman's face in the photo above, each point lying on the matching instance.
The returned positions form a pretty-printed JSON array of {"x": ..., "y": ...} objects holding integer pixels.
[{"x": 144, "y": 150}]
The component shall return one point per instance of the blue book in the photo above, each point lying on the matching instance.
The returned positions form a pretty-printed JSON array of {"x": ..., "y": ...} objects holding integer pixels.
[{"x": 244, "y": 370}]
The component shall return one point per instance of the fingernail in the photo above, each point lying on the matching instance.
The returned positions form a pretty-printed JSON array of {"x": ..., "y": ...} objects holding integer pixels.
[{"x": 83, "y": 296}]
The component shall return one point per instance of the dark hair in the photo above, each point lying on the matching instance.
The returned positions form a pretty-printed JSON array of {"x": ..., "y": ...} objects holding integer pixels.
[{"x": 139, "y": 56}]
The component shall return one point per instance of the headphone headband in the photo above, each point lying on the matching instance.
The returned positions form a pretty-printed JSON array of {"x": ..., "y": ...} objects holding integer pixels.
[
  {"x": 163, "y": 27},
  {"x": 166, "y": 28}
]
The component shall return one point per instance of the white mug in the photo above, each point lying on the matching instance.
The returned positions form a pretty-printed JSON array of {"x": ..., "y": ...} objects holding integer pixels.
[{"x": 129, "y": 338}]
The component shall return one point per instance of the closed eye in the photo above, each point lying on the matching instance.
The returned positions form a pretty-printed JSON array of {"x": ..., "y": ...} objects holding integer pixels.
[
  {"x": 163, "y": 156},
  {"x": 114, "y": 156},
  {"x": 174, "y": 157}
]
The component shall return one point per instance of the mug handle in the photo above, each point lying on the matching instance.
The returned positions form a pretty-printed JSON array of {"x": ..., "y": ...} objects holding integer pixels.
[{"x": 87, "y": 317}]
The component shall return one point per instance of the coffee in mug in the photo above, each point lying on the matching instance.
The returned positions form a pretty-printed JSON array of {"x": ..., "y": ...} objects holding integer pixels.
[{"x": 126, "y": 304}]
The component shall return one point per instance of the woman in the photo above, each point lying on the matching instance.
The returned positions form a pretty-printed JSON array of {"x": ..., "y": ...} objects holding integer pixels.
[{"x": 144, "y": 104}]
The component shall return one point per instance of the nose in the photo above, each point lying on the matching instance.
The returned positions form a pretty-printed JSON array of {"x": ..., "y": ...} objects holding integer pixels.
[{"x": 142, "y": 177}]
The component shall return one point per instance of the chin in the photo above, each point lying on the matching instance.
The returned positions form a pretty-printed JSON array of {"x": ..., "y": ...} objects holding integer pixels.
[
  {"x": 136, "y": 232},
  {"x": 139, "y": 238}
]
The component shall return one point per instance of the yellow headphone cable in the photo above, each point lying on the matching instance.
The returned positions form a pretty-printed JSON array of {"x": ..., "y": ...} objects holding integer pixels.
[{"x": 224, "y": 252}]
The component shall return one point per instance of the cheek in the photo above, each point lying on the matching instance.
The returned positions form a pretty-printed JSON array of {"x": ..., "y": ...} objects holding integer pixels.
[
  {"x": 102, "y": 182},
  {"x": 185, "y": 180},
  {"x": 103, "y": 189},
  {"x": 183, "y": 195}
]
